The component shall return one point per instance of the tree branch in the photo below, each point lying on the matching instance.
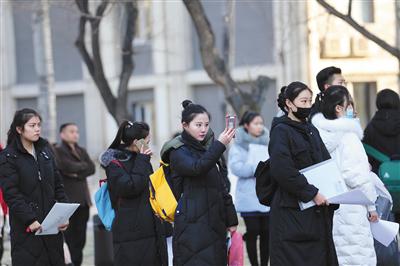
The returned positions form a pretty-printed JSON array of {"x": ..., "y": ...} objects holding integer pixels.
[
  {"x": 349, "y": 9},
  {"x": 212, "y": 61},
  {"x": 127, "y": 57},
  {"x": 94, "y": 63},
  {"x": 363, "y": 31}
]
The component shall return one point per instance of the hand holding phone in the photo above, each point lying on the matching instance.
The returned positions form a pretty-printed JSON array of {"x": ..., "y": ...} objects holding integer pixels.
[{"x": 142, "y": 144}]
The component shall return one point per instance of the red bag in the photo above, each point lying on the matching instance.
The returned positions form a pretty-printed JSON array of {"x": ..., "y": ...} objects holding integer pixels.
[{"x": 235, "y": 253}]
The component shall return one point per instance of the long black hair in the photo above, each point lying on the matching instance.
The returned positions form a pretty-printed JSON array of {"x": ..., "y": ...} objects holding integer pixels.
[
  {"x": 21, "y": 117},
  {"x": 333, "y": 96},
  {"x": 190, "y": 110},
  {"x": 290, "y": 92},
  {"x": 129, "y": 131}
]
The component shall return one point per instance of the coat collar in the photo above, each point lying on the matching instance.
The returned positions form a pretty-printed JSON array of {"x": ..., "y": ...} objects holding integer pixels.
[{"x": 39, "y": 145}]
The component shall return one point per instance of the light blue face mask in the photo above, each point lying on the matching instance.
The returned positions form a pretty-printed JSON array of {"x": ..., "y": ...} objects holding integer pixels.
[{"x": 349, "y": 112}]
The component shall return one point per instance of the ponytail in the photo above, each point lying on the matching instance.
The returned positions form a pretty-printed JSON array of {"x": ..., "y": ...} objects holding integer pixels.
[{"x": 129, "y": 131}]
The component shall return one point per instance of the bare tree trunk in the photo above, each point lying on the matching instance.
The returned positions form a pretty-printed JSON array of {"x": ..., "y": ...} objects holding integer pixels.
[
  {"x": 116, "y": 105},
  {"x": 45, "y": 69},
  {"x": 218, "y": 70}
]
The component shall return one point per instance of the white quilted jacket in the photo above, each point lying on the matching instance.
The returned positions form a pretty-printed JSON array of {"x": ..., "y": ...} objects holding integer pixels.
[{"x": 351, "y": 229}]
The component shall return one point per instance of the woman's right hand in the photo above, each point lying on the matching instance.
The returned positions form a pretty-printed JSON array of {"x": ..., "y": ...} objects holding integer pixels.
[
  {"x": 320, "y": 200},
  {"x": 146, "y": 152},
  {"x": 226, "y": 136},
  {"x": 35, "y": 226}
]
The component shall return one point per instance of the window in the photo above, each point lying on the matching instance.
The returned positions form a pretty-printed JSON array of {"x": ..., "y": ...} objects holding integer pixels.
[
  {"x": 364, "y": 11},
  {"x": 364, "y": 94},
  {"x": 144, "y": 22}
]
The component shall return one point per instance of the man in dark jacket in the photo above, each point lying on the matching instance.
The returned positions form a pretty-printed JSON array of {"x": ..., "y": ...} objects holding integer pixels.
[{"x": 75, "y": 166}]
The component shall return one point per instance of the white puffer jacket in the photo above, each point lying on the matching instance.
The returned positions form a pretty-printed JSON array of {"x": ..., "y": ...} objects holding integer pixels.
[{"x": 351, "y": 229}]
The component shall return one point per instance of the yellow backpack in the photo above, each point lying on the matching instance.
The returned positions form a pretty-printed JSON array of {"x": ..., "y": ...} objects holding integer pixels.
[{"x": 162, "y": 198}]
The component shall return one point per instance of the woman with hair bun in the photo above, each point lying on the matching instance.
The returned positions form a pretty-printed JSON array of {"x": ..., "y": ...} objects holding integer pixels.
[
  {"x": 205, "y": 211},
  {"x": 298, "y": 237},
  {"x": 137, "y": 233}
]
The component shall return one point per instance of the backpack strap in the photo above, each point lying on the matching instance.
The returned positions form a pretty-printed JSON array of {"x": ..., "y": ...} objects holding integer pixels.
[{"x": 381, "y": 157}]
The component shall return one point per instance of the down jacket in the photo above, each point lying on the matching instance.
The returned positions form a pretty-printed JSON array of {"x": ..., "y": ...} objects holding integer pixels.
[
  {"x": 351, "y": 229},
  {"x": 301, "y": 238},
  {"x": 137, "y": 234},
  {"x": 245, "y": 198},
  {"x": 205, "y": 209},
  {"x": 31, "y": 187}
]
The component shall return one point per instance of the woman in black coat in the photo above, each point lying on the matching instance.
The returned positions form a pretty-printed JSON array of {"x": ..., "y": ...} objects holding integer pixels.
[
  {"x": 138, "y": 235},
  {"x": 298, "y": 237},
  {"x": 383, "y": 132},
  {"x": 31, "y": 185},
  {"x": 205, "y": 209}
]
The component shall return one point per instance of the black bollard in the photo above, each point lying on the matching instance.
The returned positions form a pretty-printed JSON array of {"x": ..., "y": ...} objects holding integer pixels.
[{"x": 103, "y": 244}]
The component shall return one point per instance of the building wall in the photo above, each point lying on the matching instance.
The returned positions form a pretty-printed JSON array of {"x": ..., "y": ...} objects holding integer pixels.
[{"x": 366, "y": 70}]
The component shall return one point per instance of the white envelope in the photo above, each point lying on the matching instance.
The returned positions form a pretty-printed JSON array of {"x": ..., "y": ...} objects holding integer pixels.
[
  {"x": 325, "y": 176},
  {"x": 384, "y": 231},
  {"x": 58, "y": 215},
  {"x": 257, "y": 153}
]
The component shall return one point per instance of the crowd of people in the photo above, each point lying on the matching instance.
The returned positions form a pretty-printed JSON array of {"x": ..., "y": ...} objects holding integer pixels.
[{"x": 35, "y": 174}]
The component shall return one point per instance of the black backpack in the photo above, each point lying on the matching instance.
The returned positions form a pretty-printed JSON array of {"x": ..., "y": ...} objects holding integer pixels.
[{"x": 266, "y": 186}]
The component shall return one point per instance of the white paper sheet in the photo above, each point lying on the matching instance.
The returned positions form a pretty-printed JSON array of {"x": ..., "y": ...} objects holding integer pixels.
[
  {"x": 325, "y": 176},
  {"x": 58, "y": 215},
  {"x": 356, "y": 197},
  {"x": 257, "y": 153},
  {"x": 384, "y": 231}
]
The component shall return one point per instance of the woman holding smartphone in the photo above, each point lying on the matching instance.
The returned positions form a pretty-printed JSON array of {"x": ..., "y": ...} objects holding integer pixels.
[
  {"x": 205, "y": 211},
  {"x": 137, "y": 233},
  {"x": 298, "y": 237},
  {"x": 31, "y": 185}
]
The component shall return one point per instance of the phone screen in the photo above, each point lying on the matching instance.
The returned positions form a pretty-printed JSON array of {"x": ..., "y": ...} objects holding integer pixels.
[
  {"x": 142, "y": 143},
  {"x": 231, "y": 121}
]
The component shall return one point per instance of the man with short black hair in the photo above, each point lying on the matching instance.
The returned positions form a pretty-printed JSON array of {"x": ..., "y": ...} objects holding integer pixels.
[
  {"x": 75, "y": 166},
  {"x": 330, "y": 76},
  {"x": 325, "y": 78}
]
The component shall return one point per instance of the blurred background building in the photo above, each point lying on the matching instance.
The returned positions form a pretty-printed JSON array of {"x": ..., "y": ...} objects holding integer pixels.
[{"x": 284, "y": 40}]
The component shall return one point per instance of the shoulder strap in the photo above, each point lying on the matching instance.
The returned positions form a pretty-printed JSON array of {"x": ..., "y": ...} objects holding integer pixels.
[{"x": 375, "y": 153}]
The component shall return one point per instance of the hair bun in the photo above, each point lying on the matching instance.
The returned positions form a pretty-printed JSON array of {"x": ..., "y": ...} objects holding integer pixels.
[{"x": 186, "y": 103}]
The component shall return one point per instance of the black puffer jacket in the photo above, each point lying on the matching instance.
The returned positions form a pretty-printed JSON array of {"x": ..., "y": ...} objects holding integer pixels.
[
  {"x": 30, "y": 189},
  {"x": 298, "y": 237},
  {"x": 383, "y": 133},
  {"x": 137, "y": 234},
  {"x": 205, "y": 209}
]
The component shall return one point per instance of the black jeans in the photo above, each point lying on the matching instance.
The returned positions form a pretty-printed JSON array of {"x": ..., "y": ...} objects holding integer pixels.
[
  {"x": 257, "y": 226},
  {"x": 75, "y": 236}
]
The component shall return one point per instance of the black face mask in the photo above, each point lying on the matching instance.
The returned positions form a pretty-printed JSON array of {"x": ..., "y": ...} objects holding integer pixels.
[{"x": 302, "y": 113}]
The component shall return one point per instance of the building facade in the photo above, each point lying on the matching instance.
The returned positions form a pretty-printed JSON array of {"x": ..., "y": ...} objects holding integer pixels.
[{"x": 283, "y": 40}]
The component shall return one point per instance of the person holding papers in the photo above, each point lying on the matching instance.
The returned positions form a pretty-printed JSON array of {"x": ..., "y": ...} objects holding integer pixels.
[
  {"x": 31, "y": 185},
  {"x": 342, "y": 136},
  {"x": 138, "y": 236},
  {"x": 297, "y": 237},
  {"x": 251, "y": 133}
]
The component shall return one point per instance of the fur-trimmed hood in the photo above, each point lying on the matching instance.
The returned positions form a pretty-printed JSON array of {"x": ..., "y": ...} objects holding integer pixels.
[
  {"x": 332, "y": 131},
  {"x": 114, "y": 154}
]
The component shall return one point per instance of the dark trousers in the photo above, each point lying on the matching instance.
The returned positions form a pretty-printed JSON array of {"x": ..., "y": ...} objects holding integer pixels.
[
  {"x": 75, "y": 236},
  {"x": 257, "y": 226}
]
